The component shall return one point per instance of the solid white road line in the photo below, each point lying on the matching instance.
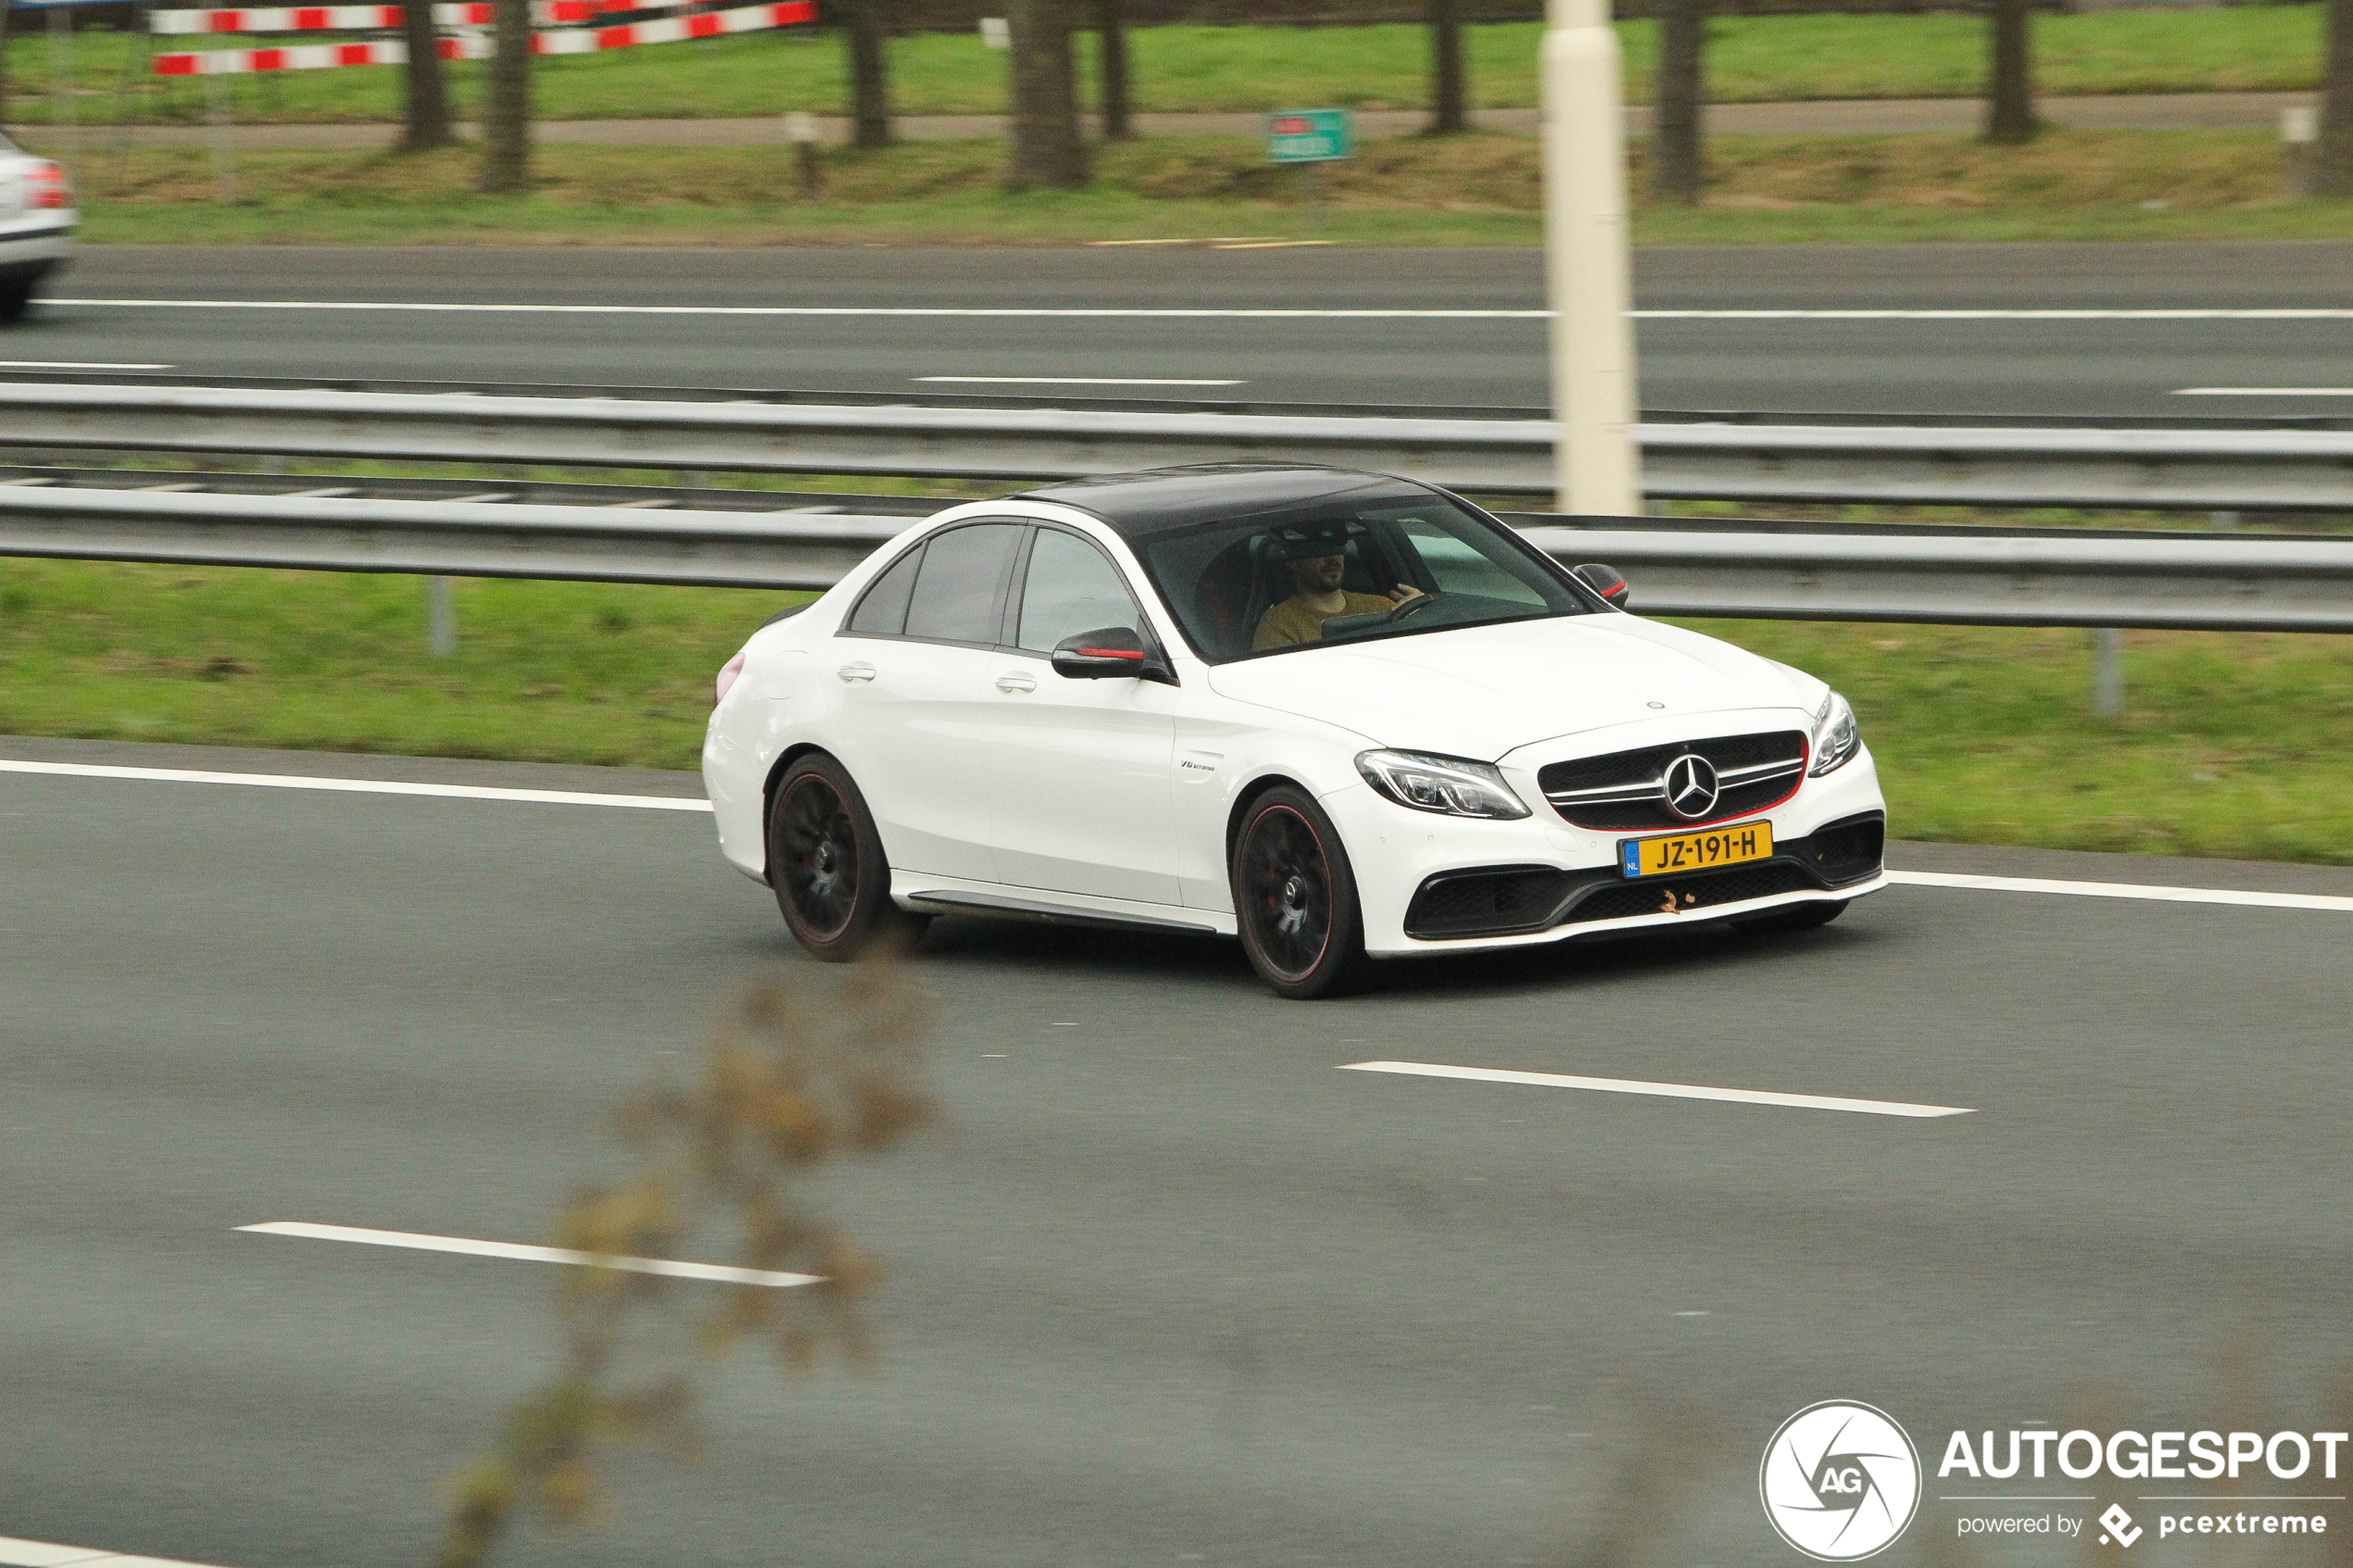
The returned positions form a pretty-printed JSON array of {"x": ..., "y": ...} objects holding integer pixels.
[
  {"x": 1669, "y": 1091},
  {"x": 73, "y": 365},
  {"x": 530, "y": 1254},
  {"x": 2163, "y": 895},
  {"x": 15, "y": 1553},
  {"x": 1212, "y": 313},
  {"x": 2126, "y": 890},
  {"x": 357, "y": 786},
  {"x": 2263, "y": 392},
  {"x": 1079, "y": 381}
]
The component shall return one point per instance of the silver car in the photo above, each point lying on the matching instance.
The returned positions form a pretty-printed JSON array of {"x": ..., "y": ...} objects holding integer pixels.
[{"x": 37, "y": 221}]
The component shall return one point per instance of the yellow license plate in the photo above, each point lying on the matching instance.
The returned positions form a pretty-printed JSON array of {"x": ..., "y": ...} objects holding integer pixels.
[{"x": 1695, "y": 851}]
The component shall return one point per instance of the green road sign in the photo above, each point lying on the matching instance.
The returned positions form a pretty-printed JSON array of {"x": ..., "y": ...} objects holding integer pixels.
[{"x": 1308, "y": 136}]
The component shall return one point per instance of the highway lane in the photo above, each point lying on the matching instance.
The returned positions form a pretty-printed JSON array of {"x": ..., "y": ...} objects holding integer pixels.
[
  {"x": 1885, "y": 365},
  {"x": 1166, "y": 1287}
]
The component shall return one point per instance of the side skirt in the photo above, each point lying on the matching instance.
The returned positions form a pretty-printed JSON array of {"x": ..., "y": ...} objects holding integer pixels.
[{"x": 1015, "y": 906}]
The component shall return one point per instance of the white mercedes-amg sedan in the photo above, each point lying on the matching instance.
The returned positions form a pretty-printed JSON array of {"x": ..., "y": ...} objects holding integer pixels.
[{"x": 1342, "y": 716}]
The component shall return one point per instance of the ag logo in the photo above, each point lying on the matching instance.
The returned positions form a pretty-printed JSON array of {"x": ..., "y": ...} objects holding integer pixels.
[{"x": 1840, "y": 1481}]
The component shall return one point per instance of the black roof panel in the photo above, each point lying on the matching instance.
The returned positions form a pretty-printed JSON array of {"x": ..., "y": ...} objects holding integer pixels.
[{"x": 1156, "y": 500}]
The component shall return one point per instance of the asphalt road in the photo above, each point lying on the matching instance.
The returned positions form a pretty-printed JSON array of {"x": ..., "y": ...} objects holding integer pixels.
[
  {"x": 1164, "y": 1287},
  {"x": 1883, "y": 365}
]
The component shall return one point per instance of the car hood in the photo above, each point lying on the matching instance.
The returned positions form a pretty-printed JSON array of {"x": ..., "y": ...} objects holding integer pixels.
[{"x": 1483, "y": 691}]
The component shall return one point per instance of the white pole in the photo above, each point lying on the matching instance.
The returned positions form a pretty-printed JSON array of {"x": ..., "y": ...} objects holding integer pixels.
[
  {"x": 1586, "y": 262},
  {"x": 2108, "y": 671},
  {"x": 441, "y": 618}
]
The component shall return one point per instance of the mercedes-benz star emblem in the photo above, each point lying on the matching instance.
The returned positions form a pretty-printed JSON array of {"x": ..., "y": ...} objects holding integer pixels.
[{"x": 1690, "y": 787}]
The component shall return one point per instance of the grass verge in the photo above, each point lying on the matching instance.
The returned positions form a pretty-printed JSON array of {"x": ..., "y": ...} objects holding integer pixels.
[
  {"x": 2230, "y": 745},
  {"x": 1247, "y": 69},
  {"x": 1468, "y": 189}
]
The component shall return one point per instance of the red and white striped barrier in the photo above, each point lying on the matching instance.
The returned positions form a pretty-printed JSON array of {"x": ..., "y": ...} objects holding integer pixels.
[
  {"x": 320, "y": 19},
  {"x": 476, "y": 47}
]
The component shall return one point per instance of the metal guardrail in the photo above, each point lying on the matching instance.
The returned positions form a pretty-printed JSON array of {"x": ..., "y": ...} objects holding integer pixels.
[
  {"x": 2217, "y": 469},
  {"x": 2222, "y": 582},
  {"x": 483, "y": 538},
  {"x": 741, "y": 538}
]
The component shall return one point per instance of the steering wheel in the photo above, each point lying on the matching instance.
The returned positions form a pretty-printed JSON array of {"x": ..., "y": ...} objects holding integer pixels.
[{"x": 1414, "y": 605}]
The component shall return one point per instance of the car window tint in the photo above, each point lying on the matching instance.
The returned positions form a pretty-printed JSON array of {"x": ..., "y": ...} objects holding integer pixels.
[
  {"x": 1457, "y": 567},
  {"x": 883, "y": 612},
  {"x": 1226, "y": 581},
  {"x": 959, "y": 589},
  {"x": 1071, "y": 587}
]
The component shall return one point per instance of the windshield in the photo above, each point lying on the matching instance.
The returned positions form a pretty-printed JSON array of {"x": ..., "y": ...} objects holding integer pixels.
[{"x": 1342, "y": 571}]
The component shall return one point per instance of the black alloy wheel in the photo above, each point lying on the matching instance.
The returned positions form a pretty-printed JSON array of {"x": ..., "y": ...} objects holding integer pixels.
[
  {"x": 1797, "y": 917},
  {"x": 1295, "y": 899},
  {"x": 826, "y": 863}
]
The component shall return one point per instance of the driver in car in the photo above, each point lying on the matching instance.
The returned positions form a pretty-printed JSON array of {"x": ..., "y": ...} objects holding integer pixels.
[{"x": 1317, "y": 565}]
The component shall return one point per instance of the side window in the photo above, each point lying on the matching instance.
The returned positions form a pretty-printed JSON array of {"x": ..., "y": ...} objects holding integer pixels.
[
  {"x": 960, "y": 588},
  {"x": 883, "y": 612},
  {"x": 1071, "y": 587}
]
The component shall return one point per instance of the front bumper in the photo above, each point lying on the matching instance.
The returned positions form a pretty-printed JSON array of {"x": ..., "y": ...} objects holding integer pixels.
[
  {"x": 1518, "y": 900},
  {"x": 1430, "y": 883}
]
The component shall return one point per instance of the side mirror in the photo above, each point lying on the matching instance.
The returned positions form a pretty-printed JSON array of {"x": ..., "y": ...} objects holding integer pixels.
[
  {"x": 1607, "y": 581},
  {"x": 1114, "y": 653}
]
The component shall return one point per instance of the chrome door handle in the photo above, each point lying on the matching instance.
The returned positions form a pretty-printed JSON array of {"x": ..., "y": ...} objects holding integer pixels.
[
  {"x": 859, "y": 671},
  {"x": 1015, "y": 681}
]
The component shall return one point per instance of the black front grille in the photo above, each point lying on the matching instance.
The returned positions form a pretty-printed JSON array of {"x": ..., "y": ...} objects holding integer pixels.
[
  {"x": 1496, "y": 900},
  {"x": 1691, "y": 894},
  {"x": 1782, "y": 752}
]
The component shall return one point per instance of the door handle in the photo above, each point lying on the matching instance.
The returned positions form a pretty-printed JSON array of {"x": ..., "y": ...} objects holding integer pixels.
[
  {"x": 1015, "y": 681},
  {"x": 859, "y": 671}
]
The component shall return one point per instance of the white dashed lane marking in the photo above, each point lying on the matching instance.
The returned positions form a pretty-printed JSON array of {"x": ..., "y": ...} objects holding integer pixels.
[
  {"x": 518, "y": 1252},
  {"x": 1077, "y": 381},
  {"x": 15, "y": 1553},
  {"x": 1667, "y": 1091}
]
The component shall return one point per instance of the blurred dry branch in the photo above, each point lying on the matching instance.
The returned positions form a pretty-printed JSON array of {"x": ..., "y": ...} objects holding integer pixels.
[
  {"x": 1669, "y": 1456},
  {"x": 794, "y": 1077}
]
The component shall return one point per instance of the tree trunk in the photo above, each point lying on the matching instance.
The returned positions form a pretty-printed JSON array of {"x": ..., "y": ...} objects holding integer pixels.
[
  {"x": 2333, "y": 159},
  {"x": 2009, "y": 106},
  {"x": 1449, "y": 96},
  {"x": 869, "y": 74},
  {"x": 426, "y": 104},
  {"x": 1677, "y": 166},
  {"x": 1047, "y": 147},
  {"x": 1111, "y": 34},
  {"x": 506, "y": 110}
]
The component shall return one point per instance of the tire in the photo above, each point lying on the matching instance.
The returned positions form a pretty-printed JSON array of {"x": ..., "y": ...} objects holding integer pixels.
[
  {"x": 15, "y": 300},
  {"x": 1797, "y": 917},
  {"x": 826, "y": 864},
  {"x": 1295, "y": 899}
]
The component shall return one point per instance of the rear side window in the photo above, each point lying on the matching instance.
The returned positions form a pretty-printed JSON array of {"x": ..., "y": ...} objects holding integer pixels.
[
  {"x": 960, "y": 588},
  {"x": 883, "y": 612}
]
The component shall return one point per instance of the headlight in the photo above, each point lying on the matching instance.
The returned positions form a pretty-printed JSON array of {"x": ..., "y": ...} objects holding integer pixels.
[
  {"x": 1446, "y": 784},
  {"x": 1836, "y": 740}
]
